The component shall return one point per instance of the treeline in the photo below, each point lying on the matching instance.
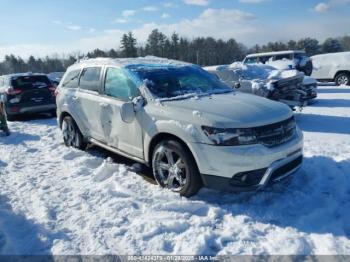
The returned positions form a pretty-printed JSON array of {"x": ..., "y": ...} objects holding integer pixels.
[{"x": 204, "y": 51}]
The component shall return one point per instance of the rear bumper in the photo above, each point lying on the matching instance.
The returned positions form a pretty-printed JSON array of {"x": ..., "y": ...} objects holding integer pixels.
[{"x": 18, "y": 109}]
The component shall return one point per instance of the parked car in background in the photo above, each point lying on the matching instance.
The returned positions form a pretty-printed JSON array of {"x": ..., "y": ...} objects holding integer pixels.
[
  {"x": 289, "y": 59},
  {"x": 27, "y": 93},
  {"x": 287, "y": 86},
  {"x": 55, "y": 77},
  {"x": 309, "y": 86},
  {"x": 332, "y": 67},
  {"x": 181, "y": 121}
]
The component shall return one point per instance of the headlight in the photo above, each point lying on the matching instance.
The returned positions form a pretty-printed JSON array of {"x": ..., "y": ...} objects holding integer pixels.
[{"x": 230, "y": 136}]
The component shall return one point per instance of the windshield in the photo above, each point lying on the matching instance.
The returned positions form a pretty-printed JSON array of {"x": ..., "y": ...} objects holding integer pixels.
[{"x": 170, "y": 82}]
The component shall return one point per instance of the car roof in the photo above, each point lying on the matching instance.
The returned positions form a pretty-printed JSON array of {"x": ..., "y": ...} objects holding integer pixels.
[
  {"x": 276, "y": 53},
  {"x": 148, "y": 61}
]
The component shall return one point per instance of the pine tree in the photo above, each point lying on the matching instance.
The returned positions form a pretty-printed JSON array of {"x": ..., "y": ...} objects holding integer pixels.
[
  {"x": 128, "y": 45},
  {"x": 331, "y": 45}
]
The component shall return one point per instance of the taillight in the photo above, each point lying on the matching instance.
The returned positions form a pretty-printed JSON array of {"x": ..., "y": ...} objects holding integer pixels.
[
  {"x": 56, "y": 92},
  {"x": 52, "y": 90},
  {"x": 13, "y": 91}
]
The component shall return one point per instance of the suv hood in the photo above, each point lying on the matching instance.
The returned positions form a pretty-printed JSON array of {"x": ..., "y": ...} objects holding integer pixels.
[{"x": 235, "y": 110}]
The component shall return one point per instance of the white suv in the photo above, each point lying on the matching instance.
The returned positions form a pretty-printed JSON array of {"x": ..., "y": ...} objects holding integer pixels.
[
  {"x": 332, "y": 67},
  {"x": 181, "y": 121}
]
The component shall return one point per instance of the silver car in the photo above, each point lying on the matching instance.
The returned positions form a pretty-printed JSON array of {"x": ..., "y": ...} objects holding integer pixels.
[{"x": 181, "y": 121}]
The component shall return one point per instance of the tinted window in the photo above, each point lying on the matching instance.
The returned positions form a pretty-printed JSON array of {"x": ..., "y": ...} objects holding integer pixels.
[
  {"x": 72, "y": 79},
  {"x": 169, "y": 82},
  {"x": 119, "y": 85},
  {"x": 264, "y": 59},
  {"x": 251, "y": 60},
  {"x": 90, "y": 79},
  {"x": 300, "y": 56},
  {"x": 283, "y": 56},
  {"x": 24, "y": 82}
]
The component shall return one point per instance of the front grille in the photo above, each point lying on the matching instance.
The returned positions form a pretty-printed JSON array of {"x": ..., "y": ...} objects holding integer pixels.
[
  {"x": 276, "y": 134},
  {"x": 286, "y": 168}
]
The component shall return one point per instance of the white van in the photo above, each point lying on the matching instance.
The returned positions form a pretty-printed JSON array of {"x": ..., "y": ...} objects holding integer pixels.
[{"x": 332, "y": 67}]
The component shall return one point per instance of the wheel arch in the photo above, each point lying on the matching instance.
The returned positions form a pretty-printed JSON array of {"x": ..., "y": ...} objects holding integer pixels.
[
  {"x": 62, "y": 116},
  {"x": 341, "y": 72},
  {"x": 163, "y": 136}
]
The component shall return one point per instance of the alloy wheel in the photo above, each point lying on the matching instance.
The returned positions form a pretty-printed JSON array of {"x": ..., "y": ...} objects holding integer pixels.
[
  {"x": 343, "y": 80},
  {"x": 170, "y": 169}
]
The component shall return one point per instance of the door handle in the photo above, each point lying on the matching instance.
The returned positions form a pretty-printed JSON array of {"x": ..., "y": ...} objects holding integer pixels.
[{"x": 75, "y": 98}]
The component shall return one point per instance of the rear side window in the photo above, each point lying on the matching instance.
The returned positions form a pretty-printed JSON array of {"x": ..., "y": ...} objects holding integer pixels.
[
  {"x": 283, "y": 56},
  {"x": 90, "y": 79},
  {"x": 251, "y": 60},
  {"x": 119, "y": 85},
  {"x": 23, "y": 82},
  {"x": 300, "y": 56},
  {"x": 264, "y": 59},
  {"x": 71, "y": 80}
]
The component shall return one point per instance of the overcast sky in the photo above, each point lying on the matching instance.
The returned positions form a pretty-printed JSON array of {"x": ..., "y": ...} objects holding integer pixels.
[{"x": 42, "y": 27}]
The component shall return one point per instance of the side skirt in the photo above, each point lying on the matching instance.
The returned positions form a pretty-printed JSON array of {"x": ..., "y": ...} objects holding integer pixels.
[{"x": 114, "y": 150}]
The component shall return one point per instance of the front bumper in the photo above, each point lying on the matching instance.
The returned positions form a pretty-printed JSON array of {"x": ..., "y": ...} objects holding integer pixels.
[
  {"x": 224, "y": 167},
  {"x": 278, "y": 171}
]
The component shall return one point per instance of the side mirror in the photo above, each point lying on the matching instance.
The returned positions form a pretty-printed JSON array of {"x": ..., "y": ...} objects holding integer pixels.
[
  {"x": 138, "y": 102},
  {"x": 127, "y": 112}
]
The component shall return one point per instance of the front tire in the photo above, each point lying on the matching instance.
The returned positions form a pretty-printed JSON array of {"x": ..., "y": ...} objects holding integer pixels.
[
  {"x": 342, "y": 79},
  {"x": 174, "y": 168},
  {"x": 72, "y": 136}
]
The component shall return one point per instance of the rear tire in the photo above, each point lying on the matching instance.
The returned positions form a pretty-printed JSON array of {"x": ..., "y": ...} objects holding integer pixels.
[
  {"x": 72, "y": 136},
  {"x": 174, "y": 168},
  {"x": 342, "y": 79}
]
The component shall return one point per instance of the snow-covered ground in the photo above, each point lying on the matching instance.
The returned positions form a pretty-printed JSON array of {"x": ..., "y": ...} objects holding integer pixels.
[{"x": 56, "y": 200}]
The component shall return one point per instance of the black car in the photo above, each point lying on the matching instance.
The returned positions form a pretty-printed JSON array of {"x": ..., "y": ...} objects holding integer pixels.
[{"x": 26, "y": 94}]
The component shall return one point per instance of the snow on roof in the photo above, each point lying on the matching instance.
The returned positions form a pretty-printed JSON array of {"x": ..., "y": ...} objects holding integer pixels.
[
  {"x": 125, "y": 62},
  {"x": 256, "y": 71},
  {"x": 276, "y": 53}
]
